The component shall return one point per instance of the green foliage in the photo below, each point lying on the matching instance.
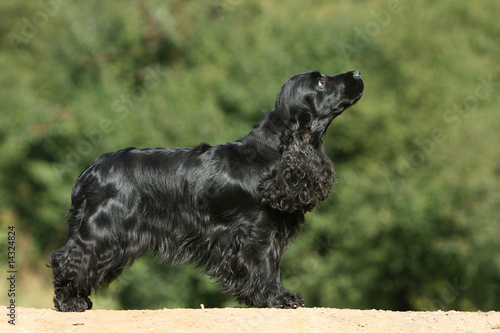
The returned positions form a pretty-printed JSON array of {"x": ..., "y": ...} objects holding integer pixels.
[{"x": 411, "y": 224}]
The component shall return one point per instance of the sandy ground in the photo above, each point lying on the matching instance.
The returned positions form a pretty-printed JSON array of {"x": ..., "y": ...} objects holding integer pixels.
[{"x": 251, "y": 320}]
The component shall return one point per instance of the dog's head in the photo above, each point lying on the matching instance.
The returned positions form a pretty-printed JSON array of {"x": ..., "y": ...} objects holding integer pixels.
[
  {"x": 305, "y": 106},
  {"x": 317, "y": 99}
]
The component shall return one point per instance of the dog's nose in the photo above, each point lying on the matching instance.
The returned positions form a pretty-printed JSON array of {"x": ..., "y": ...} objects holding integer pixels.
[{"x": 356, "y": 74}]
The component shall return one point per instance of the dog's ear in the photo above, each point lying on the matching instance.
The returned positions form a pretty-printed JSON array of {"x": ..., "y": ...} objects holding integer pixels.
[{"x": 304, "y": 175}]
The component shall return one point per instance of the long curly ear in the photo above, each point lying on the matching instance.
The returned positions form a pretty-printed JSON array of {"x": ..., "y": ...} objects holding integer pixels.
[{"x": 304, "y": 175}]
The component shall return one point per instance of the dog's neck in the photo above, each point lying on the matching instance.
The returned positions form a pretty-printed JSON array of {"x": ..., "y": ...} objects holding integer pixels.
[{"x": 267, "y": 132}]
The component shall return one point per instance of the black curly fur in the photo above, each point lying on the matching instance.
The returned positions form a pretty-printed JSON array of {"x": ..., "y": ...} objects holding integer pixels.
[
  {"x": 304, "y": 176},
  {"x": 230, "y": 209}
]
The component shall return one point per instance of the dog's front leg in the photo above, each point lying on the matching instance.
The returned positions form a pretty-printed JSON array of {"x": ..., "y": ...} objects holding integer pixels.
[
  {"x": 262, "y": 285},
  {"x": 281, "y": 298}
]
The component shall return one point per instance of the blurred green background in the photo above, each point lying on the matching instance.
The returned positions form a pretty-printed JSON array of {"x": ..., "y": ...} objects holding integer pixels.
[{"x": 413, "y": 222}]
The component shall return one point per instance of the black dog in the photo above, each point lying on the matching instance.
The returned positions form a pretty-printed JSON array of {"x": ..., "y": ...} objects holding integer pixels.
[{"x": 230, "y": 209}]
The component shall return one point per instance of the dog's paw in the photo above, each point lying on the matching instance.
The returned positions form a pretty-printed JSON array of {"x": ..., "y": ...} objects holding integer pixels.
[
  {"x": 74, "y": 304},
  {"x": 288, "y": 301}
]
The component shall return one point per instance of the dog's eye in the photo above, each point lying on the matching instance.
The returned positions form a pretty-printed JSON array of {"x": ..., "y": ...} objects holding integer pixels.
[{"x": 321, "y": 82}]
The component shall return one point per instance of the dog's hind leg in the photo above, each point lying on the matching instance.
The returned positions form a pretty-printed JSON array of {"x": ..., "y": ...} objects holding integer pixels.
[
  {"x": 95, "y": 254},
  {"x": 72, "y": 286},
  {"x": 73, "y": 267}
]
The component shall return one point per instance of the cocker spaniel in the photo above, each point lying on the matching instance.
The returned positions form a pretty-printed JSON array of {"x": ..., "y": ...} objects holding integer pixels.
[{"x": 229, "y": 209}]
